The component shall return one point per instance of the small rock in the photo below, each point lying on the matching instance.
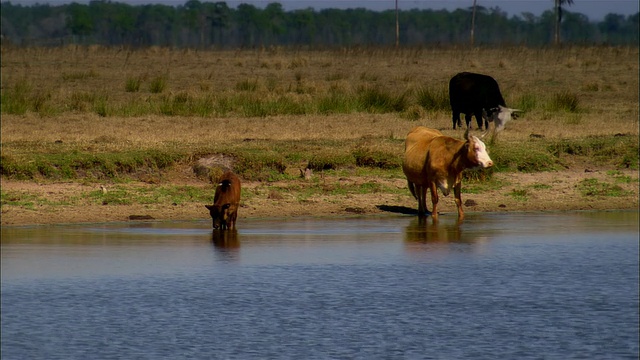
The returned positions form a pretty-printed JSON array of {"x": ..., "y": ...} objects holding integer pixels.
[
  {"x": 502, "y": 206},
  {"x": 470, "y": 203}
]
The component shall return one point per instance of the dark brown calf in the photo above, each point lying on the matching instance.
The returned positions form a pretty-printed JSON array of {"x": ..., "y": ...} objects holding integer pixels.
[{"x": 224, "y": 210}]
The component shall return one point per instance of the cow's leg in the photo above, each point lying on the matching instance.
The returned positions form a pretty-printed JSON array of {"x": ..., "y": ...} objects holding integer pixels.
[
  {"x": 467, "y": 119},
  {"x": 420, "y": 198},
  {"x": 423, "y": 210},
  {"x": 424, "y": 200},
  {"x": 232, "y": 222},
  {"x": 456, "y": 194},
  {"x": 456, "y": 119},
  {"x": 479, "y": 119},
  {"x": 421, "y": 201},
  {"x": 434, "y": 201}
]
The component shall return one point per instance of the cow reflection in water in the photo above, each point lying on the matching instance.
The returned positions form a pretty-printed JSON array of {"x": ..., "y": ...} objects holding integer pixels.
[
  {"x": 422, "y": 231},
  {"x": 225, "y": 239},
  {"x": 423, "y": 236}
]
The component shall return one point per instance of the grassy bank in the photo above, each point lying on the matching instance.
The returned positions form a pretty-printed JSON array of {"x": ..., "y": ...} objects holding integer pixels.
[
  {"x": 141, "y": 122},
  {"x": 263, "y": 160}
]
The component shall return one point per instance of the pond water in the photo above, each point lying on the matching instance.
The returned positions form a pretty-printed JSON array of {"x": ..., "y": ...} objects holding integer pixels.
[{"x": 515, "y": 286}]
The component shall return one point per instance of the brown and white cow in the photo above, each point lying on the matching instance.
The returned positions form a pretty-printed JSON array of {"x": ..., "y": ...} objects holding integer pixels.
[
  {"x": 224, "y": 210},
  {"x": 415, "y": 155},
  {"x": 433, "y": 160}
]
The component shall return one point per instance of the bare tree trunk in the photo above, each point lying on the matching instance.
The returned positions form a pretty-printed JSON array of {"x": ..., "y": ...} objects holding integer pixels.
[{"x": 473, "y": 23}]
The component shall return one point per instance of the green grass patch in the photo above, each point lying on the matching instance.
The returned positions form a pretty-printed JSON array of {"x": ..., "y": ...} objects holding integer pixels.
[
  {"x": 81, "y": 164},
  {"x": 18, "y": 198},
  {"x": 564, "y": 101},
  {"x": 167, "y": 195},
  {"x": 475, "y": 186},
  {"x": 621, "y": 150},
  {"x": 330, "y": 160},
  {"x": 29, "y": 201},
  {"x": 620, "y": 177},
  {"x": 133, "y": 84},
  {"x": 375, "y": 100},
  {"x": 527, "y": 157},
  {"x": 477, "y": 174},
  {"x": 158, "y": 84},
  {"x": 258, "y": 164},
  {"x": 534, "y": 156},
  {"x": 247, "y": 85},
  {"x": 23, "y": 97},
  {"x": 594, "y": 187},
  {"x": 336, "y": 103},
  {"x": 79, "y": 75},
  {"x": 526, "y": 102},
  {"x": 185, "y": 104},
  {"x": 366, "y": 157},
  {"x": 433, "y": 98},
  {"x": 519, "y": 194}
]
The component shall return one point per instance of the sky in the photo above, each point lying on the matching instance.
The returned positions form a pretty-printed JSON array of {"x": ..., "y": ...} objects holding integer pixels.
[{"x": 593, "y": 9}]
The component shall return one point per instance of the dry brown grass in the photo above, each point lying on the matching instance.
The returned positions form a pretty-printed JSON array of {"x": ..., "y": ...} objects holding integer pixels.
[{"x": 605, "y": 80}]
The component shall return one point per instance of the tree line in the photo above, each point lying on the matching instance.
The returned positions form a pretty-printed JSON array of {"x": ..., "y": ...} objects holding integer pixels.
[{"x": 198, "y": 24}]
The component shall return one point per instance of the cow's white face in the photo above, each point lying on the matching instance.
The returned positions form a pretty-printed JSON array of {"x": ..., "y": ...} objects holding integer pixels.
[
  {"x": 480, "y": 152},
  {"x": 500, "y": 116}
]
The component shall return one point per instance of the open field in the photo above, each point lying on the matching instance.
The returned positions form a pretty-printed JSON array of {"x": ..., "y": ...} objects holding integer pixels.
[{"x": 96, "y": 134}]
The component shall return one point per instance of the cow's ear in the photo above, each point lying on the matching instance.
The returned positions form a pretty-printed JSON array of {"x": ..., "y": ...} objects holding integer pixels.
[{"x": 210, "y": 207}]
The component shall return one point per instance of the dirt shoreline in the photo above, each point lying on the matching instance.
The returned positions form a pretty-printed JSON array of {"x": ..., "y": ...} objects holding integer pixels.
[{"x": 560, "y": 193}]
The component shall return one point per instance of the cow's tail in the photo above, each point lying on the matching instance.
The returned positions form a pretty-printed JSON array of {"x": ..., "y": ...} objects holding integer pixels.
[{"x": 412, "y": 189}]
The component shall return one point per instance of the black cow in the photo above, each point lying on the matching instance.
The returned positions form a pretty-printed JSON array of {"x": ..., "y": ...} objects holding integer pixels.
[{"x": 477, "y": 95}]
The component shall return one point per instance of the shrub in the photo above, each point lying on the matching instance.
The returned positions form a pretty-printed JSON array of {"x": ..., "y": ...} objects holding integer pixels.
[
  {"x": 132, "y": 84},
  {"x": 330, "y": 161},
  {"x": 564, "y": 101},
  {"x": 15, "y": 100},
  {"x": 79, "y": 75},
  {"x": 158, "y": 85},
  {"x": 336, "y": 103},
  {"x": 433, "y": 99},
  {"x": 413, "y": 113},
  {"x": 247, "y": 85},
  {"x": 525, "y": 158},
  {"x": 259, "y": 165},
  {"x": 375, "y": 100},
  {"x": 526, "y": 102},
  {"x": 376, "y": 159}
]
